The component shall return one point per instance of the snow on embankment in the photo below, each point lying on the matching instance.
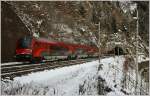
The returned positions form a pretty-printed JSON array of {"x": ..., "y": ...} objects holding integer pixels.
[
  {"x": 113, "y": 74},
  {"x": 73, "y": 80}
]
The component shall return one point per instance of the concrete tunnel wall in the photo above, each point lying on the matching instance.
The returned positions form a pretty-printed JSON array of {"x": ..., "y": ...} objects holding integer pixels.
[{"x": 12, "y": 29}]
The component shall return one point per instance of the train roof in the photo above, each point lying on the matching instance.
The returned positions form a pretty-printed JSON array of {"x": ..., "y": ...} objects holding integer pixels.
[{"x": 43, "y": 40}]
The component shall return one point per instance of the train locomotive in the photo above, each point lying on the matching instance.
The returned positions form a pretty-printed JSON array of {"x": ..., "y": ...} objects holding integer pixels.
[{"x": 38, "y": 49}]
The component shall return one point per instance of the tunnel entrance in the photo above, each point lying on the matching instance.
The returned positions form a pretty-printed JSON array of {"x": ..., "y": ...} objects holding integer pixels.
[
  {"x": 12, "y": 28},
  {"x": 118, "y": 51}
]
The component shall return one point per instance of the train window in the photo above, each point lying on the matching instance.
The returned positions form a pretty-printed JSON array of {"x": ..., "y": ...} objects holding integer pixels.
[
  {"x": 80, "y": 51},
  {"x": 58, "y": 50},
  {"x": 25, "y": 42}
]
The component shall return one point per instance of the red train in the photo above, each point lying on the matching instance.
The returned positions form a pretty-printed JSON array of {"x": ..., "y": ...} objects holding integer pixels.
[{"x": 38, "y": 49}]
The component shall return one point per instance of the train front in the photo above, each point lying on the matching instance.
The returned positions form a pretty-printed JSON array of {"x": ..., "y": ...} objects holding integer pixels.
[{"x": 24, "y": 49}]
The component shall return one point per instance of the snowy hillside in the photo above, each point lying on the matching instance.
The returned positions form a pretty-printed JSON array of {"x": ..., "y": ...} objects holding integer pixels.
[
  {"x": 84, "y": 79},
  {"x": 119, "y": 29},
  {"x": 76, "y": 22}
]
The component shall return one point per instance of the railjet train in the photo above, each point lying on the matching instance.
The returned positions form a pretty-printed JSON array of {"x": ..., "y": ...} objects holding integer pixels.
[{"x": 38, "y": 49}]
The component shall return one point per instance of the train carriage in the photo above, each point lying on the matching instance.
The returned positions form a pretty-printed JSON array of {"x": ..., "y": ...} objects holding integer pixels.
[{"x": 38, "y": 49}]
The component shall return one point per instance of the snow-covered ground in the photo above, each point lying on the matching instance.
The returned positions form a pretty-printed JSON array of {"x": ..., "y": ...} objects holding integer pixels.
[
  {"x": 12, "y": 63},
  {"x": 84, "y": 79},
  {"x": 113, "y": 74}
]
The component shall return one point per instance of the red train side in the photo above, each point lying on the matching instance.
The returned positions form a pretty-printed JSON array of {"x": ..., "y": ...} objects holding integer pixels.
[{"x": 33, "y": 49}]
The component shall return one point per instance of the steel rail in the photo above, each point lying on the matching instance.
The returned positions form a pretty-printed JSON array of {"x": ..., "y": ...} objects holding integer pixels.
[
  {"x": 36, "y": 64},
  {"x": 26, "y": 69}
]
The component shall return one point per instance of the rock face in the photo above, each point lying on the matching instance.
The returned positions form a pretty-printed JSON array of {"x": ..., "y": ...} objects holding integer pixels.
[
  {"x": 12, "y": 29},
  {"x": 76, "y": 22}
]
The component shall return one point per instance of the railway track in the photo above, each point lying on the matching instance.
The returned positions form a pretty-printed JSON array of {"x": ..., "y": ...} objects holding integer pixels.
[{"x": 11, "y": 71}]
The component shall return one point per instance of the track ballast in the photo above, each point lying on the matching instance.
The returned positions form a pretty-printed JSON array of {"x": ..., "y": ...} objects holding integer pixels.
[{"x": 11, "y": 71}]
